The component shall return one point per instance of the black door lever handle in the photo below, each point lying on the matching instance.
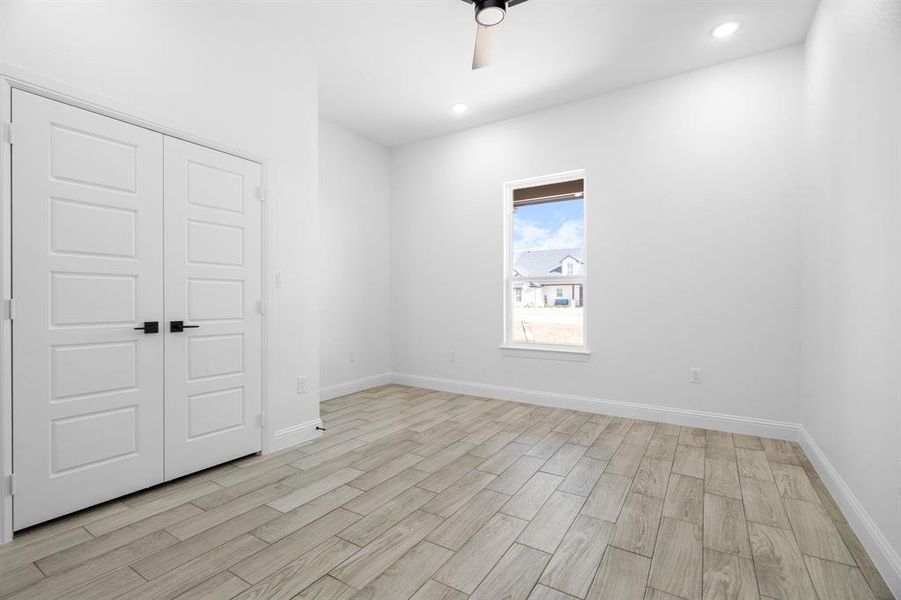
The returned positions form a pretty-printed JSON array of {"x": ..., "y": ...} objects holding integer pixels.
[
  {"x": 149, "y": 327},
  {"x": 179, "y": 326}
]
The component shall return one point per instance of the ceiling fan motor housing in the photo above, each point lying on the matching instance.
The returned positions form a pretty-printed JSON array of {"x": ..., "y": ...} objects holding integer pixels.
[{"x": 490, "y": 12}]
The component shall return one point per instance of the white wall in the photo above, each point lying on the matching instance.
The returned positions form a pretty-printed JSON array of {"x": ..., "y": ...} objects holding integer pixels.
[
  {"x": 692, "y": 195},
  {"x": 353, "y": 291},
  {"x": 222, "y": 74},
  {"x": 851, "y": 257}
]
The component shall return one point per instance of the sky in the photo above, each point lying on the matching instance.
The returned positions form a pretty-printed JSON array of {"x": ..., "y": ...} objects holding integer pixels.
[{"x": 549, "y": 225}]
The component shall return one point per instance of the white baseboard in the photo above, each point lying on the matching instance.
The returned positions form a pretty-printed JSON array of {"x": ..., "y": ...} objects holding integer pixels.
[
  {"x": 877, "y": 545},
  {"x": 351, "y": 387},
  {"x": 691, "y": 418},
  {"x": 296, "y": 434}
]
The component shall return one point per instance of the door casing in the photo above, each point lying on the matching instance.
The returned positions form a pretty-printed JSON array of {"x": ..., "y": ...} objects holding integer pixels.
[{"x": 15, "y": 78}]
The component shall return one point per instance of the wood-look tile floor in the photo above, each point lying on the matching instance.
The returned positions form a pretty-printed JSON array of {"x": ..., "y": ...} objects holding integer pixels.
[{"x": 428, "y": 495}]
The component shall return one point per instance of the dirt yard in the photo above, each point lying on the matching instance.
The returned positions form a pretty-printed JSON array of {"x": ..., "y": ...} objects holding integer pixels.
[{"x": 561, "y": 326}]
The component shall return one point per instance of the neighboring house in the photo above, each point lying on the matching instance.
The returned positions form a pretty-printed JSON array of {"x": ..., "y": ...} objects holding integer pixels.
[{"x": 553, "y": 272}]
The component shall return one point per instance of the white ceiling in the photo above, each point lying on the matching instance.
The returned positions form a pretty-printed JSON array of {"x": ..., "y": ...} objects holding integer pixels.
[{"x": 390, "y": 69}]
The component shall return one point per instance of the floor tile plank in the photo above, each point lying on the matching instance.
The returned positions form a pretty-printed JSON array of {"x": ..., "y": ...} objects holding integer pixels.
[
  {"x": 725, "y": 528},
  {"x": 408, "y": 574},
  {"x": 223, "y": 585},
  {"x": 385, "y": 517},
  {"x": 287, "y": 523},
  {"x": 194, "y": 572},
  {"x": 606, "y": 500},
  {"x": 432, "y": 590},
  {"x": 526, "y": 503},
  {"x": 753, "y": 464},
  {"x": 300, "y": 496},
  {"x": 636, "y": 528},
  {"x": 685, "y": 499},
  {"x": 728, "y": 577},
  {"x": 834, "y": 581},
  {"x": 297, "y": 575},
  {"x": 815, "y": 532},
  {"x": 652, "y": 477},
  {"x": 721, "y": 478},
  {"x": 451, "y": 499},
  {"x": 514, "y": 576},
  {"x": 583, "y": 477},
  {"x": 113, "y": 585},
  {"x": 178, "y": 554},
  {"x": 763, "y": 504},
  {"x": 689, "y": 460},
  {"x": 469, "y": 565},
  {"x": 370, "y": 561},
  {"x": 864, "y": 562},
  {"x": 516, "y": 475},
  {"x": 543, "y": 592},
  {"x": 326, "y": 588},
  {"x": 546, "y": 530},
  {"x": 260, "y": 565},
  {"x": 60, "y": 585},
  {"x": 781, "y": 572},
  {"x": 792, "y": 482},
  {"x": 562, "y": 462},
  {"x": 677, "y": 564},
  {"x": 572, "y": 568},
  {"x": 464, "y": 523},
  {"x": 621, "y": 576}
]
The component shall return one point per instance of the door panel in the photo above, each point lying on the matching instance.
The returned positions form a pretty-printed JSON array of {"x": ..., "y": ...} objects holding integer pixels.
[
  {"x": 87, "y": 268},
  {"x": 214, "y": 371}
]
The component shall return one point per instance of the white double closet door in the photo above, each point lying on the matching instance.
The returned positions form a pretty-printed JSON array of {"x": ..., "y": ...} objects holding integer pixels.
[{"x": 115, "y": 225}]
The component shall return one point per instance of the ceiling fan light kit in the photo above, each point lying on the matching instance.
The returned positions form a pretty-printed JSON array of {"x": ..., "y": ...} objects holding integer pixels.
[{"x": 489, "y": 14}]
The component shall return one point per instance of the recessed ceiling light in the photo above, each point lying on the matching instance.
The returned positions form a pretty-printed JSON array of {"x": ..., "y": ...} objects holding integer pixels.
[
  {"x": 726, "y": 29},
  {"x": 459, "y": 108}
]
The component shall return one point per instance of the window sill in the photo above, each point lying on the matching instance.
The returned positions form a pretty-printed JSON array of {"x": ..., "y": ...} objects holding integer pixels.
[{"x": 573, "y": 355}]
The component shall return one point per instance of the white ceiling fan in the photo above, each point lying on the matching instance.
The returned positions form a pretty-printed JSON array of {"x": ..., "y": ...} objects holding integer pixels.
[{"x": 489, "y": 14}]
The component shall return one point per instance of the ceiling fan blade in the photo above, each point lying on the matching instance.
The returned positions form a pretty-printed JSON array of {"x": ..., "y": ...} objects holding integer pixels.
[
  {"x": 511, "y": 3},
  {"x": 481, "y": 56}
]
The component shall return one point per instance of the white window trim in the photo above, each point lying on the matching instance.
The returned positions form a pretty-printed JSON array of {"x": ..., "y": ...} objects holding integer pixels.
[
  {"x": 507, "y": 346},
  {"x": 546, "y": 352}
]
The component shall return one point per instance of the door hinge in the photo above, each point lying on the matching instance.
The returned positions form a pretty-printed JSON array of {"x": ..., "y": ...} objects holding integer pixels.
[
  {"x": 12, "y": 484},
  {"x": 8, "y": 136},
  {"x": 261, "y": 419},
  {"x": 11, "y": 309},
  {"x": 261, "y": 307},
  {"x": 261, "y": 194}
]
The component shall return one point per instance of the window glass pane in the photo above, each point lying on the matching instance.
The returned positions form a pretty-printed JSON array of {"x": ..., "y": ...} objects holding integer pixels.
[
  {"x": 548, "y": 314},
  {"x": 548, "y": 239}
]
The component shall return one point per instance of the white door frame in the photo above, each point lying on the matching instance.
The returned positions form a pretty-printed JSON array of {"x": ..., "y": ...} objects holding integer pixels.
[{"x": 12, "y": 77}]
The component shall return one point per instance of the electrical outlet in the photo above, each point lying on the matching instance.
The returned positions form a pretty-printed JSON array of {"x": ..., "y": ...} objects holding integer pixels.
[
  {"x": 277, "y": 279},
  {"x": 453, "y": 356},
  {"x": 301, "y": 385},
  {"x": 352, "y": 356},
  {"x": 697, "y": 375}
]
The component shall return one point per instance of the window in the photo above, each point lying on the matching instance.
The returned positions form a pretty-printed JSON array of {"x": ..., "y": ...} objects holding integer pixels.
[{"x": 545, "y": 258}]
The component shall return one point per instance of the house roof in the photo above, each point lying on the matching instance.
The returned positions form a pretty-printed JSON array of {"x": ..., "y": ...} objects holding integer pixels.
[{"x": 538, "y": 263}]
